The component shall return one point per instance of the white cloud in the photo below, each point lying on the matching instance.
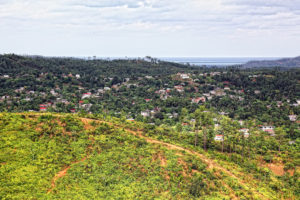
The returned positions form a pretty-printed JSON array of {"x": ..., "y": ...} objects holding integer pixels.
[{"x": 158, "y": 21}]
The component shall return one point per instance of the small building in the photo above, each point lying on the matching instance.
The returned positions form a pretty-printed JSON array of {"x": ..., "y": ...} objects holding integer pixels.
[
  {"x": 219, "y": 138},
  {"x": 256, "y": 91},
  {"x": 179, "y": 88},
  {"x": 268, "y": 129},
  {"x": 148, "y": 77},
  {"x": 245, "y": 132},
  {"x": 184, "y": 76},
  {"x": 86, "y": 95},
  {"x": 293, "y": 118},
  {"x": 147, "y": 100},
  {"x": 145, "y": 113},
  {"x": 198, "y": 99},
  {"x": 292, "y": 142},
  {"x": 77, "y": 76},
  {"x": 43, "y": 108}
]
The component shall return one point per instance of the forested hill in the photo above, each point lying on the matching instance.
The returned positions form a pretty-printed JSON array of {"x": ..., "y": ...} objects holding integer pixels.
[
  {"x": 12, "y": 64},
  {"x": 285, "y": 62}
]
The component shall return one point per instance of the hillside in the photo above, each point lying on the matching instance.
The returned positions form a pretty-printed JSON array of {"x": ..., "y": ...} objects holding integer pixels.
[
  {"x": 145, "y": 129},
  {"x": 61, "y": 156},
  {"x": 285, "y": 63}
]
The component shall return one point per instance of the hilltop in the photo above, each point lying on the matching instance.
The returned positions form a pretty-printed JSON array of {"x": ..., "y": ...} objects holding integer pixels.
[{"x": 285, "y": 63}]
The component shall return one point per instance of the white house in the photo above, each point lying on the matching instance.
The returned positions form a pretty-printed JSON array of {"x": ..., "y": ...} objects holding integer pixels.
[
  {"x": 77, "y": 76},
  {"x": 245, "y": 132},
  {"x": 184, "y": 76},
  {"x": 293, "y": 118},
  {"x": 86, "y": 95},
  {"x": 179, "y": 88},
  {"x": 268, "y": 129},
  {"x": 145, "y": 113},
  {"x": 219, "y": 138},
  {"x": 264, "y": 128},
  {"x": 257, "y": 91}
]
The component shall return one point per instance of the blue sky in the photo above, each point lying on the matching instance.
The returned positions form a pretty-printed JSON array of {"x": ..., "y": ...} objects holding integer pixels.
[{"x": 159, "y": 28}]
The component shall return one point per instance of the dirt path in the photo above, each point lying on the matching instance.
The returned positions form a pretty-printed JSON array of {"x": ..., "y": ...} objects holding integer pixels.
[{"x": 62, "y": 173}]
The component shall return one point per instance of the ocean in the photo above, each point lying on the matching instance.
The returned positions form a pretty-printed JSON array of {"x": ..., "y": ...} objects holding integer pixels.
[{"x": 215, "y": 61}]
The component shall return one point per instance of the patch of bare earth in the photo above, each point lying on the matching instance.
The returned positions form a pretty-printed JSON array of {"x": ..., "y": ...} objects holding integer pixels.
[
  {"x": 278, "y": 169},
  {"x": 62, "y": 173}
]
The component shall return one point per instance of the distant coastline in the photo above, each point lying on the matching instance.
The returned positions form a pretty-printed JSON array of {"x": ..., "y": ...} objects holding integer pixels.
[{"x": 216, "y": 61}]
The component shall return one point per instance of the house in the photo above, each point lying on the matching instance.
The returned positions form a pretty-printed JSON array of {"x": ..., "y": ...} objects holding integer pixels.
[
  {"x": 179, "y": 88},
  {"x": 245, "y": 131},
  {"x": 268, "y": 129},
  {"x": 219, "y": 138},
  {"x": 106, "y": 88},
  {"x": 162, "y": 91},
  {"x": 147, "y": 100},
  {"x": 223, "y": 113},
  {"x": 130, "y": 119},
  {"x": 101, "y": 91},
  {"x": 198, "y": 99},
  {"x": 145, "y": 113},
  {"x": 292, "y": 142},
  {"x": 215, "y": 73},
  {"x": 77, "y": 76},
  {"x": 148, "y": 77},
  {"x": 219, "y": 92},
  {"x": 86, "y": 95},
  {"x": 73, "y": 110},
  {"x": 5, "y": 76},
  {"x": 212, "y": 92},
  {"x": 87, "y": 106},
  {"x": 226, "y": 88},
  {"x": 279, "y": 104},
  {"x": 184, "y": 76},
  {"x": 256, "y": 91},
  {"x": 43, "y": 107},
  {"x": 293, "y": 118},
  {"x": 53, "y": 92}
]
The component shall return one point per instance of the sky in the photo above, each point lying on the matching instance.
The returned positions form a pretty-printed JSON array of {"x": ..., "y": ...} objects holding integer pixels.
[{"x": 158, "y": 28}]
